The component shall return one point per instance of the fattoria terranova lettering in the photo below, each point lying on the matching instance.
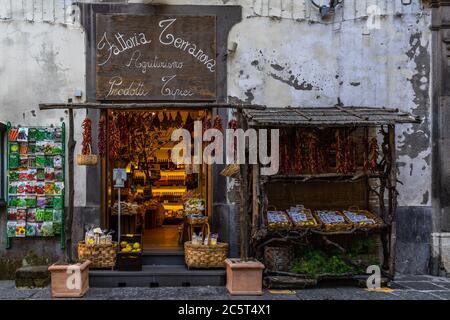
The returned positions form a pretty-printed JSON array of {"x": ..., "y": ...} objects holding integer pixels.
[{"x": 179, "y": 51}]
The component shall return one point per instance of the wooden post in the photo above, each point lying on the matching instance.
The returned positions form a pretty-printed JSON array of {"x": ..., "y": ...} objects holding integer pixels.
[
  {"x": 392, "y": 199},
  {"x": 69, "y": 220},
  {"x": 255, "y": 198},
  {"x": 243, "y": 212}
]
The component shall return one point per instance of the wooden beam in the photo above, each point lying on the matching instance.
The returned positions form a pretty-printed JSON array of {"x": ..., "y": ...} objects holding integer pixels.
[
  {"x": 69, "y": 221},
  {"x": 147, "y": 105}
]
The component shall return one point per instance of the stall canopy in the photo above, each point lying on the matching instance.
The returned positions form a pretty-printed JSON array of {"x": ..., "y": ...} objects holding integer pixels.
[{"x": 334, "y": 116}]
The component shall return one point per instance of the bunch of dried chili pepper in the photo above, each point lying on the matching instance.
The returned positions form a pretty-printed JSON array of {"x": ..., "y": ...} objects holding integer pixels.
[{"x": 87, "y": 136}]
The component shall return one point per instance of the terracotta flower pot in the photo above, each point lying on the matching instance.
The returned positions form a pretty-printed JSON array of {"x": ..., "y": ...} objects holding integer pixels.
[
  {"x": 244, "y": 278},
  {"x": 70, "y": 280}
]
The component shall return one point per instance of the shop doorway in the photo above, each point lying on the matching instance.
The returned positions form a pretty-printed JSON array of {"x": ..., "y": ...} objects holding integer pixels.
[{"x": 156, "y": 188}]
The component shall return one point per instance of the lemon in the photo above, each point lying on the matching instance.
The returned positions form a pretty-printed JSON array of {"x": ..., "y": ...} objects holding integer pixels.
[
  {"x": 136, "y": 245},
  {"x": 123, "y": 244}
]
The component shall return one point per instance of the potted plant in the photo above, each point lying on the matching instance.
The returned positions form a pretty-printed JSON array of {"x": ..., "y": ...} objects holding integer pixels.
[
  {"x": 69, "y": 280},
  {"x": 244, "y": 275}
]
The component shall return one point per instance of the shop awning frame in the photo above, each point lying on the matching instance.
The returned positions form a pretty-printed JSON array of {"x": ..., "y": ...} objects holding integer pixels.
[
  {"x": 327, "y": 117},
  {"x": 148, "y": 105}
]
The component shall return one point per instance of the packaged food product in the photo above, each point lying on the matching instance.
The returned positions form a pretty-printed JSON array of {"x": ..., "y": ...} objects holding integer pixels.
[
  {"x": 39, "y": 149},
  {"x": 23, "y": 161},
  {"x": 57, "y": 148},
  {"x": 40, "y": 161},
  {"x": 50, "y": 133},
  {"x": 40, "y": 202},
  {"x": 57, "y": 214},
  {"x": 14, "y": 147},
  {"x": 39, "y": 229},
  {"x": 23, "y": 148},
  {"x": 59, "y": 175},
  {"x": 13, "y": 187},
  {"x": 13, "y": 160},
  {"x": 58, "y": 134},
  {"x": 12, "y": 214},
  {"x": 20, "y": 229},
  {"x": 31, "y": 161},
  {"x": 47, "y": 229},
  {"x": 11, "y": 229},
  {"x": 21, "y": 215},
  {"x": 31, "y": 201},
  {"x": 21, "y": 187},
  {"x": 31, "y": 215},
  {"x": 40, "y": 214},
  {"x": 13, "y": 175},
  {"x": 30, "y": 187},
  {"x": 31, "y": 147},
  {"x": 49, "y": 201},
  {"x": 48, "y": 148},
  {"x": 59, "y": 187},
  {"x": 21, "y": 202},
  {"x": 32, "y": 175},
  {"x": 359, "y": 219},
  {"x": 31, "y": 229},
  {"x": 40, "y": 174},
  {"x": 48, "y": 161},
  {"x": 13, "y": 134},
  {"x": 49, "y": 187},
  {"x": 23, "y": 134},
  {"x": 13, "y": 201},
  {"x": 49, "y": 174},
  {"x": 58, "y": 202},
  {"x": 32, "y": 134},
  {"x": 57, "y": 162},
  {"x": 39, "y": 188},
  {"x": 40, "y": 134}
]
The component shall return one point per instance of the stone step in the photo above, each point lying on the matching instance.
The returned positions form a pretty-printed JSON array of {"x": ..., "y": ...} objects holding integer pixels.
[
  {"x": 32, "y": 277},
  {"x": 161, "y": 257},
  {"x": 157, "y": 276}
]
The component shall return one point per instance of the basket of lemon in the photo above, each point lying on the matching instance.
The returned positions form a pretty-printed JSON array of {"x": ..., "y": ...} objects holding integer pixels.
[{"x": 129, "y": 257}]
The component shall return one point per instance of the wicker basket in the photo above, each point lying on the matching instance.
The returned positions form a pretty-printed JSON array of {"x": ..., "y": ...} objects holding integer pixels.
[
  {"x": 101, "y": 255},
  {"x": 278, "y": 225},
  {"x": 378, "y": 221},
  {"x": 345, "y": 226},
  {"x": 311, "y": 219},
  {"x": 201, "y": 256},
  {"x": 278, "y": 258},
  {"x": 196, "y": 219},
  {"x": 87, "y": 159}
]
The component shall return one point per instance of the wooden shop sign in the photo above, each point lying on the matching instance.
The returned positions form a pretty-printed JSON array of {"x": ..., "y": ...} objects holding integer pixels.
[{"x": 155, "y": 57}]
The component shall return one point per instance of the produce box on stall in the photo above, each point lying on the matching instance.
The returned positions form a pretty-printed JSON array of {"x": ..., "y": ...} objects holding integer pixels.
[
  {"x": 129, "y": 258},
  {"x": 35, "y": 192}
]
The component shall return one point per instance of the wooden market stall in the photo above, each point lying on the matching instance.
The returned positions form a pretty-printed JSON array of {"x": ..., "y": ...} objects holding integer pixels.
[{"x": 331, "y": 160}]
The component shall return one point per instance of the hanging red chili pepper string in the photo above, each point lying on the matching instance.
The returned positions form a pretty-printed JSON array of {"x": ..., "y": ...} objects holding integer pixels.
[
  {"x": 87, "y": 136},
  {"x": 102, "y": 136}
]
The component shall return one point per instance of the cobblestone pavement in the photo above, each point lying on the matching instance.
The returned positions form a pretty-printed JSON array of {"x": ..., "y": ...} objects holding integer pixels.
[{"x": 404, "y": 288}]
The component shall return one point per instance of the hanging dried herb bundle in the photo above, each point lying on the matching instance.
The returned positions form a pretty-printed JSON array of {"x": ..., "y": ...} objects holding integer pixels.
[
  {"x": 218, "y": 123},
  {"x": 207, "y": 121},
  {"x": 373, "y": 154},
  {"x": 102, "y": 136},
  {"x": 87, "y": 136},
  {"x": 155, "y": 121},
  {"x": 178, "y": 120},
  {"x": 114, "y": 138},
  {"x": 165, "y": 122}
]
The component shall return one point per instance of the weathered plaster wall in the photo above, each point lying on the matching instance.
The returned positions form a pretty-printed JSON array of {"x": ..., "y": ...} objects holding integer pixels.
[{"x": 41, "y": 60}]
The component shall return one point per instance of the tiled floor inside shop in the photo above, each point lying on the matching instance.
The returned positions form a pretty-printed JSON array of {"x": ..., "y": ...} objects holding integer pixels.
[{"x": 165, "y": 237}]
